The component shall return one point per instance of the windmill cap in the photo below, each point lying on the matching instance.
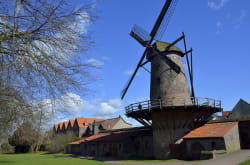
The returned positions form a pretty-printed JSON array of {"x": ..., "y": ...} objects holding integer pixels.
[{"x": 161, "y": 46}]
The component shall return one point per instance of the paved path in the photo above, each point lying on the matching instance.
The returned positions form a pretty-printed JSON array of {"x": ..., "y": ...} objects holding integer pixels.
[{"x": 234, "y": 158}]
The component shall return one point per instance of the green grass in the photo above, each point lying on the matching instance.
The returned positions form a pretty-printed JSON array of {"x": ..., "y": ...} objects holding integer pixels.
[
  {"x": 44, "y": 159},
  {"x": 246, "y": 163},
  {"x": 150, "y": 161}
]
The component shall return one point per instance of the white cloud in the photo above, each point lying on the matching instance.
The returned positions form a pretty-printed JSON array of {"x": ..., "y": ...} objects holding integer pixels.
[
  {"x": 219, "y": 27},
  {"x": 105, "y": 109},
  {"x": 71, "y": 103},
  {"x": 243, "y": 15},
  {"x": 64, "y": 108},
  {"x": 219, "y": 24},
  {"x": 81, "y": 23},
  {"x": 70, "y": 106},
  {"x": 95, "y": 62},
  {"x": 129, "y": 72},
  {"x": 217, "y": 4}
]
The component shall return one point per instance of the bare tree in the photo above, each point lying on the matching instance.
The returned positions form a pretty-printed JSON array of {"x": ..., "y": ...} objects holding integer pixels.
[{"x": 42, "y": 43}]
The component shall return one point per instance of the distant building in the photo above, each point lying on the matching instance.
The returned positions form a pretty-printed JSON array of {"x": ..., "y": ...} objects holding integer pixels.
[
  {"x": 214, "y": 137},
  {"x": 130, "y": 142},
  {"x": 241, "y": 109},
  {"x": 70, "y": 126},
  {"x": 84, "y": 127},
  {"x": 65, "y": 127},
  {"x": 225, "y": 114},
  {"x": 81, "y": 125},
  {"x": 108, "y": 124}
]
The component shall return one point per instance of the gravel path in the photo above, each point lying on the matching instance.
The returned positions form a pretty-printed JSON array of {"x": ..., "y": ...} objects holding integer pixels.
[{"x": 234, "y": 158}]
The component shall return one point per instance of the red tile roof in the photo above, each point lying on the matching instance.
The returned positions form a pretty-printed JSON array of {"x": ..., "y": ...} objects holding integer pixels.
[
  {"x": 56, "y": 126},
  {"x": 107, "y": 137},
  {"x": 66, "y": 123},
  {"x": 72, "y": 122},
  {"x": 60, "y": 125},
  {"x": 226, "y": 113},
  {"x": 211, "y": 130},
  {"x": 87, "y": 121},
  {"x": 90, "y": 138}
]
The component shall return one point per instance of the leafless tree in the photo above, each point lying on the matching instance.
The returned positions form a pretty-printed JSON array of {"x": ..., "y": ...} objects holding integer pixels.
[{"x": 42, "y": 43}]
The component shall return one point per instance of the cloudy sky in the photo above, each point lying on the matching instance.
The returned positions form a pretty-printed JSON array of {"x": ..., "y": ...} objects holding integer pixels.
[{"x": 217, "y": 30}]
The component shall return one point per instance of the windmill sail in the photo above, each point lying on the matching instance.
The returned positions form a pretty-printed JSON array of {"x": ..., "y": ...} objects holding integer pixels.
[
  {"x": 142, "y": 38},
  {"x": 140, "y": 35},
  {"x": 165, "y": 20}
]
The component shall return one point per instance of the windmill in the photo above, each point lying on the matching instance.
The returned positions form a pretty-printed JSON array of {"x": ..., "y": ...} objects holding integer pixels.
[
  {"x": 173, "y": 109},
  {"x": 151, "y": 51}
]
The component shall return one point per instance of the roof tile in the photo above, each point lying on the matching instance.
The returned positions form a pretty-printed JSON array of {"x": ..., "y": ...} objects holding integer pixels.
[
  {"x": 211, "y": 130},
  {"x": 87, "y": 121}
]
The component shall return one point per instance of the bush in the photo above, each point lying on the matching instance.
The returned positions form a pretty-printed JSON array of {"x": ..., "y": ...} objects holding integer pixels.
[
  {"x": 59, "y": 142},
  {"x": 23, "y": 138},
  {"x": 6, "y": 148}
]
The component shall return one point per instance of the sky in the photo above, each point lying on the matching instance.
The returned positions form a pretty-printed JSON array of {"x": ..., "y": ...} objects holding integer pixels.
[{"x": 217, "y": 30}]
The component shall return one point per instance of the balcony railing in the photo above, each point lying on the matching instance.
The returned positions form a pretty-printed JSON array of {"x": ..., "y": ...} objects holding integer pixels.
[{"x": 157, "y": 103}]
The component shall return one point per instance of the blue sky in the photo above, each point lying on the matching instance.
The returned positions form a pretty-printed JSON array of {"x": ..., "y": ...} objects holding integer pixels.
[{"x": 217, "y": 30}]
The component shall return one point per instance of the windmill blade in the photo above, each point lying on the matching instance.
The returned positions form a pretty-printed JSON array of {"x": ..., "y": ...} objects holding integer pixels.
[
  {"x": 140, "y": 35},
  {"x": 166, "y": 20},
  {"x": 192, "y": 82},
  {"x": 146, "y": 43},
  {"x": 124, "y": 91},
  {"x": 162, "y": 16},
  {"x": 173, "y": 43}
]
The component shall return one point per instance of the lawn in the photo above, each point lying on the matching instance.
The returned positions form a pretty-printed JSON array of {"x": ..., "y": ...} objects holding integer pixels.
[
  {"x": 246, "y": 163},
  {"x": 44, "y": 159},
  {"x": 150, "y": 161}
]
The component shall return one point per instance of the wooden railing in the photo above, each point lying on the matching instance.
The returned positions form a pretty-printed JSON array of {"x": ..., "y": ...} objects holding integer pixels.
[{"x": 157, "y": 103}]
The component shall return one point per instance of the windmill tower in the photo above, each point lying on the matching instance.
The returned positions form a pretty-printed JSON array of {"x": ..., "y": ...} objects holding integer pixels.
[{"x": 173, "y": 109}]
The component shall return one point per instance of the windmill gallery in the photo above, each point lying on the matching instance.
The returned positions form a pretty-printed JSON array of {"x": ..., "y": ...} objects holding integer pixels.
[{"x": 175, "y": 120}]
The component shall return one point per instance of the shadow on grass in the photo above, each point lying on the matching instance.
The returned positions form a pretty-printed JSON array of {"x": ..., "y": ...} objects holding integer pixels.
[
  {"x": 57, "y": 155},
  {"x": 131, "y": 159},
  {"x": 6, "y": 162}
]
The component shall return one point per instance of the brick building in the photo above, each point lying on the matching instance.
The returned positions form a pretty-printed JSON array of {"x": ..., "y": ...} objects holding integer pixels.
[
  {"x": 223, "y": 137},
  {"x": 129, "y": 142}
]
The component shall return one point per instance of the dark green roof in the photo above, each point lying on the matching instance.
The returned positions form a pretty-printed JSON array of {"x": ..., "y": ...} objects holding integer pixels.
[{"x": 161, "y": 46}]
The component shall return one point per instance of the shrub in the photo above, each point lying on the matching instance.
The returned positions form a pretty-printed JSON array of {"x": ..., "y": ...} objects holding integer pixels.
[
  {"x": 59, "y": 142},
  {"x": 23, "y": 138},
  {"x": 6, "y": 148}
]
